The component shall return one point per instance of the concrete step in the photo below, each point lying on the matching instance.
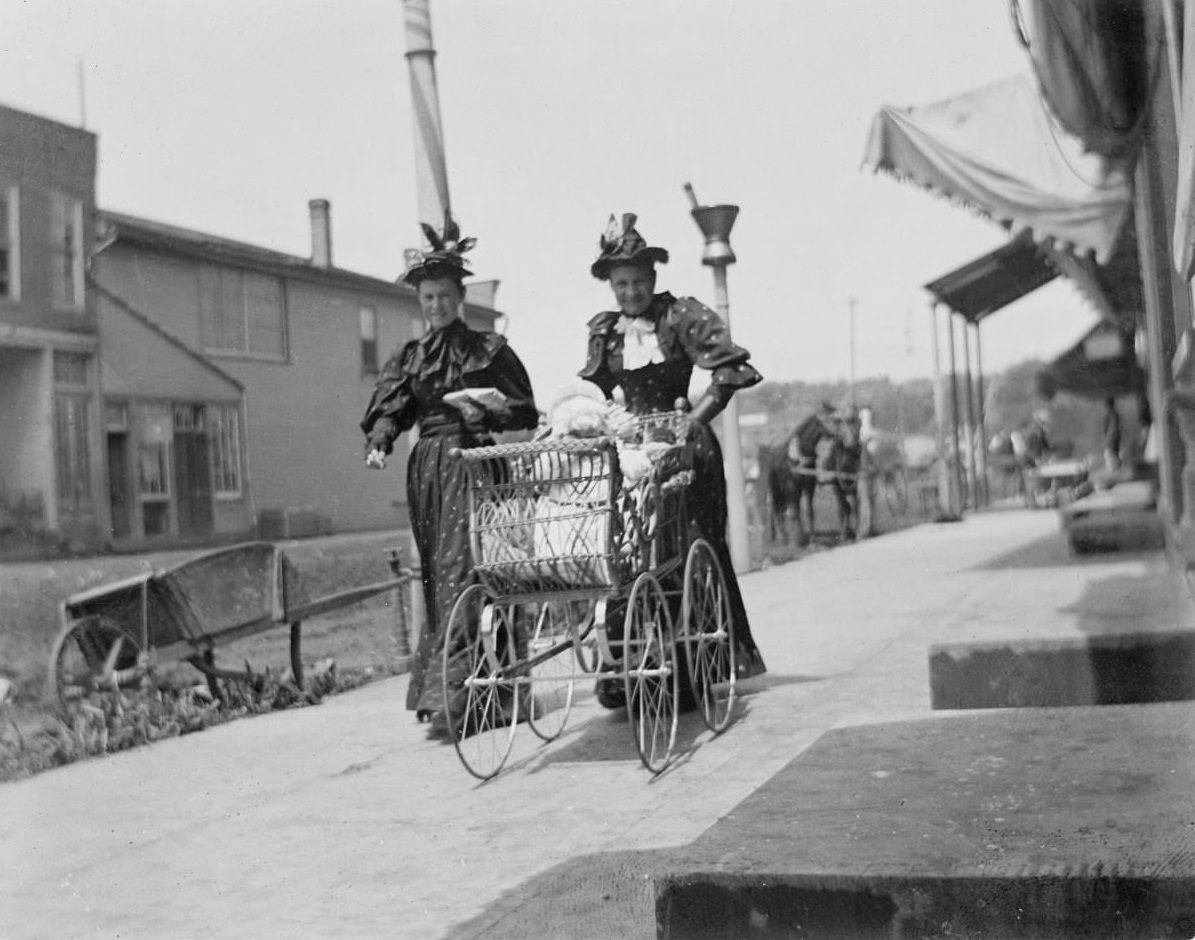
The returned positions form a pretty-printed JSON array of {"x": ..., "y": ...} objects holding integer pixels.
[
  {"x": 1052, "y": 823},
  {"x": 1099, "y": 669},
  {"x": 1123, "y": 518}
]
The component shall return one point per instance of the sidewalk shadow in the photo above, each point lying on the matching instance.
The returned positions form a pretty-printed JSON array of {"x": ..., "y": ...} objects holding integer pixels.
[
  {"x": 1052, "y": 551},
  {"x": 607, "y": 735},
  {"x": 1047, "y": 552}
]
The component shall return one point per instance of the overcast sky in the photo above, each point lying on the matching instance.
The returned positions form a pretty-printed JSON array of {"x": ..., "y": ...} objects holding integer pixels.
[{"x": 227, "y": 116}]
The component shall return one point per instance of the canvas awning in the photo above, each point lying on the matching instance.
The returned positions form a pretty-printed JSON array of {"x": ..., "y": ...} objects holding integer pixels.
[
  {"x": 1114, "y": 289},
  {"x": 999, "y": 152},
  {"x": 1093, "y": 67},
  {"x": 993, "y": 281},
  {"x": 1103, "y": 362}
]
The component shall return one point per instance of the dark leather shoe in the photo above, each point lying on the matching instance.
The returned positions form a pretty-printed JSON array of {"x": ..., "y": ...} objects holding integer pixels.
[
  {"x": 749, "y": 665},
  {"x": 611, "y": 693}
]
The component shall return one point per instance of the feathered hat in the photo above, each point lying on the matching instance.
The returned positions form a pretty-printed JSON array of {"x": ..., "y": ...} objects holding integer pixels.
[
  {"x": 621, "y": 243},
  {"x": 446, "y": 257}
]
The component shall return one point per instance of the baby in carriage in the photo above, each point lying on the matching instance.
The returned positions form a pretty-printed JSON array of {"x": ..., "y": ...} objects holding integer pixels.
[{"x": 570, "y": 520}]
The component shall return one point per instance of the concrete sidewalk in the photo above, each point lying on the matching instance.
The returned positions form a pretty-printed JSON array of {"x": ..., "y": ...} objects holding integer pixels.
[
  {"x": 839, "y": 802},
  {"x": 1016, "y": 822}
]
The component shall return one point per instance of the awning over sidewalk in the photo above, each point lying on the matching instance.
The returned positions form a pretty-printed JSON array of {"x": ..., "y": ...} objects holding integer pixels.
[
  {"x": 998, "y": 151},
  {"x": 1093, "y": 65},
  {"x": 993, "y": 281},
  {"x": 1102, "y": 363},
  {"x": 1114, "y": 289}
]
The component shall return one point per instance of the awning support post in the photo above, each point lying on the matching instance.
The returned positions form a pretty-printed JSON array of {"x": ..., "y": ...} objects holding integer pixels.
[
  {"x": 971, "y": 442},
  {"x": 945, "y": 476},
  {"x": 960, "y": 484},
  {"x": 982, "y": 400}
]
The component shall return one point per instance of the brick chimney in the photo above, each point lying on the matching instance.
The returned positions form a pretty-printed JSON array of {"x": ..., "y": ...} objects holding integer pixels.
[{"x": 321, "y": 232}]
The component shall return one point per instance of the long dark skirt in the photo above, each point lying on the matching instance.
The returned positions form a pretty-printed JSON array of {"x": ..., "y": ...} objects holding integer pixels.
[
  {"x": 707, "y": 516},
  {"x": 436, "y": 495}
]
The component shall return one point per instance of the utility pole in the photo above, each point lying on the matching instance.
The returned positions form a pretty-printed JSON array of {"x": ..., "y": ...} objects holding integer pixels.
[
  {"x": 852, "y": 342},
  {"x": 80, "y": 74}
]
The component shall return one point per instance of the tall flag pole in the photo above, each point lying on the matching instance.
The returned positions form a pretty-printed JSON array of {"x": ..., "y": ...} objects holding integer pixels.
[{"x": 431, "y": 169}]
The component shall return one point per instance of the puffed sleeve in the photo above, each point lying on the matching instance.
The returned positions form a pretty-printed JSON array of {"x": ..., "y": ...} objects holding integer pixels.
[
  {"x": 511, "y": 379},
  {"x": 392, "y": 408},
  {"x": 705, "y": 339},
  {"x": 596, "y": 369}
]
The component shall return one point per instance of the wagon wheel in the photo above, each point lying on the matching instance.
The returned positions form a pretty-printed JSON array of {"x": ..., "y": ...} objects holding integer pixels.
[
  {"x": 480, "y": 701},
  {"x": 708, "y": 635},
  {"x": 552, "y": 680},
  {"x": 651, "y": 680},
  {"x": 94, "y": 655}
]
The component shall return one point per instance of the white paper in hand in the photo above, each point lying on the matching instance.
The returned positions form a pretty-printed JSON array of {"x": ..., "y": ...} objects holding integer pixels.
[{"x": 488, "y": 398}]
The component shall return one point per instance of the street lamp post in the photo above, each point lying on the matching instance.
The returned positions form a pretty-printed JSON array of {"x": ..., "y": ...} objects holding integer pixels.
[{"x": 715, "y": 223}]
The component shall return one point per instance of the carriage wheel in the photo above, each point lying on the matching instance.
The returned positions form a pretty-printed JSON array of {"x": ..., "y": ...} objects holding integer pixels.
[
  {"x": 708, "y": 635},
  {"x": 651, "y": 680},
  {"x": 553, "y": 680},
  {"x": 480, "y": 700},
  {"x": 93, "y": 655}
]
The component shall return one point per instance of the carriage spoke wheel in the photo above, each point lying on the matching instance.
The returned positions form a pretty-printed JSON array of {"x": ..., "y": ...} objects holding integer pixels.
[
  {"x": 708, "y": 635},
  {"x": 552, "y": 680},
  {"x": 480, "y": 700},
  {"x": 93, "y": 655},
  {"x": 652, "y": 683}
]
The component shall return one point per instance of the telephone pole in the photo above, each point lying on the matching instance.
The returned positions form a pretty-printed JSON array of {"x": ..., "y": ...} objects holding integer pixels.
[{"x": 852, "y": 341}]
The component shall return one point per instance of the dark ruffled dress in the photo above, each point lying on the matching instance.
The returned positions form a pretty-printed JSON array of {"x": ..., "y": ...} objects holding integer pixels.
[
  {"x": 409, "y": 392},
  {"x": 688, "y": 334}
]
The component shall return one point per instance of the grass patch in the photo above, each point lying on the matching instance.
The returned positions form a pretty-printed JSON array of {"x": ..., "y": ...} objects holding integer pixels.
[{"x": 341, "y": 650}]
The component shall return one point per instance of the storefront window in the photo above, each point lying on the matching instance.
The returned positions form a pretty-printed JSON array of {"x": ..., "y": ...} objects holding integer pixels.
[
  {"x": 225, "y": 444},
  {"x": 154, "y": 452}
]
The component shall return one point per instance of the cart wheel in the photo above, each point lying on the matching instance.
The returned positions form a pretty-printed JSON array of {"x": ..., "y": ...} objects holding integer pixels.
[
  {"x": 552, "y": 681},
  {"x": 93, "y": 655},
  {"x": 708, "y": 635},
  {"x": 479, "y": 685},
  {"x": 652, "y": 683}
]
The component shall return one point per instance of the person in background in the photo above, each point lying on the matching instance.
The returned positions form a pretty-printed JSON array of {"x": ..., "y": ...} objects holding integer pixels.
[
  {"x": 1037, "y": 437},
  {"x": 647, "y": 348},
  {"x": 409, "y": 393},
  {"x": 1112, "y": 432},
  {"x": 1147, "y": 450}
]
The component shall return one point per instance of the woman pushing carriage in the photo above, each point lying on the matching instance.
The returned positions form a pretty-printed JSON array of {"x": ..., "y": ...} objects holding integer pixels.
[{"x": 604, "y": 552}]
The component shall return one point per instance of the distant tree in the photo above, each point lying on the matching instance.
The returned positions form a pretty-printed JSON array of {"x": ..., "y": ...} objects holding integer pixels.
[
  {"x": 1012, "y": 398},
  {"x": 905, "y": 406}
]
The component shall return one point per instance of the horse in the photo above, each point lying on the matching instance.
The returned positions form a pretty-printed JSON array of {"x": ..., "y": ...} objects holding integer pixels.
[
  {"x": 789, "y": 474},
  {"x": 839, "y": 465}
]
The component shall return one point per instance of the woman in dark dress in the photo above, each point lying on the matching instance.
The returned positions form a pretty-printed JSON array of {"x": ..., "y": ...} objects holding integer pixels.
[
  {"x": 410, "y": 392},
  {"x": 648, "y": 348}
]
